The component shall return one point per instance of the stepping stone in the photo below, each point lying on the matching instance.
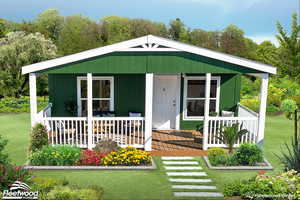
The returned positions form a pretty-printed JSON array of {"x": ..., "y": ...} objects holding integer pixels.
[
  {"x": 195, "y": 187},
  {"x": 198, "y": 194},
  {"x": 182, "y": 168},
  {"x": 186, "y": 174},
  {"x": 189, "y": 180},
  {"x": 180, "y": 163},
  {"x": 177, "y": 158}
]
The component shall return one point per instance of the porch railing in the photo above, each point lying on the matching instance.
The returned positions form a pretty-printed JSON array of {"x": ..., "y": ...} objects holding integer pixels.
[
  {"x": 74, "y": 130},
  {"x": 246, "y": 117}
]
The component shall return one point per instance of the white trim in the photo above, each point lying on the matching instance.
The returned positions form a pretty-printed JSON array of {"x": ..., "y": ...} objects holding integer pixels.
[
  {"x": 90, "y": 109},
  {"x": 178, "y": 102},
  {"x": 206, "y": 109},
  {"x": 148, "y": 111},
  {"x": 263, "y": 106},
  {"x": 185, "y": 80},
  {"x": 145, "y": 40},
  {"x": 148, "y": 49},
  {"x": 33, "y": 98},
  {"x": 79, "y": 99}
]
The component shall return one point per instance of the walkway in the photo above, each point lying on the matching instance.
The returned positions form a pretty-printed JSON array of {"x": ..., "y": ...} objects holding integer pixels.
[{"x": 188, "y": 178}]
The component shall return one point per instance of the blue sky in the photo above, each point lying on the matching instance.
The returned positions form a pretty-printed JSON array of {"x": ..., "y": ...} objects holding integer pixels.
[{"x": 256, "y": 17}]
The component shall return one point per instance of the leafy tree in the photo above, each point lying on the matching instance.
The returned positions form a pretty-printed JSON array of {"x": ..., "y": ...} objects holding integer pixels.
[
  {"x": 16, "y": 50},
  {"x": 71, "y": 38},
  {"x": 290, "y": 49},
  {"x": 267, "y": 53},
  {"x": 178, "y": 31},
  {"x": 116, "y": 29},
  {"x": 141, "y": 27},
  {"x": 49, "y": 23},
  {"x": 232, "y": 40}
]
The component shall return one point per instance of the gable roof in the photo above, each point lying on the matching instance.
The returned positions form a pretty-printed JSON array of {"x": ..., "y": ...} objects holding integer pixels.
[{"x": 149, "y": 43}]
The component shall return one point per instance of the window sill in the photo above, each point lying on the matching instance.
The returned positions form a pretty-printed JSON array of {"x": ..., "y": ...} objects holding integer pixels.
[{"x": 193, "y": 119}]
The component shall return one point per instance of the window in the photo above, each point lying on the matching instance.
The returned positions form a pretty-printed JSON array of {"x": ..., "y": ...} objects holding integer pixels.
[
  {"x": 194, "y": 97},
  {"x": 102, "y": 95}
]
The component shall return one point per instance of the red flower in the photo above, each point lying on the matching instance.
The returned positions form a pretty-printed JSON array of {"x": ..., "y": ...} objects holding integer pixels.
[
  {"x": 261, "y": 172},
  {"x": 89, "y": 157}
]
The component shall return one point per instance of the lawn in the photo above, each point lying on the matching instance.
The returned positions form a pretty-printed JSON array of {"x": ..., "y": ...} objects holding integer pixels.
[{"x": 137, "y": 185}]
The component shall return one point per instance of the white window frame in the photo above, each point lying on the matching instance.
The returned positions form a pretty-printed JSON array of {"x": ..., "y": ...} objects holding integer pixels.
[
  {"x": 105, "y": 78},
  {"x": 217, "y": 98}
]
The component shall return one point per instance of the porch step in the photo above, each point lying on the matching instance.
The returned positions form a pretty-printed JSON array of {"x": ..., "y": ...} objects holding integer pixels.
[
  {"x": 182, "y": 168},
  {"x": 177, "y": 158},
  {"x": 198, "y": 194},
  {"x": 180, "y": 163},
  {"x": 194, "y": 187},
  {"x": 189, "y": 180},
  {"x": 186, "y": 174}
]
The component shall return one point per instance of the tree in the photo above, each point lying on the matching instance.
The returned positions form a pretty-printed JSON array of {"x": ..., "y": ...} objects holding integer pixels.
[
  {"x": 232, "y": 40},
  {"x": 290, "y": 49},
  {"x": 141, "y": 27},
  {"x": 49, "y": 23},
  {"x": 178, "y": 31},
  {"x": 16, "y": 50},
  {"x": 267, "y": 53},
  {"x": 72, "y": 38},
  {"x": 116, "y": 29}
]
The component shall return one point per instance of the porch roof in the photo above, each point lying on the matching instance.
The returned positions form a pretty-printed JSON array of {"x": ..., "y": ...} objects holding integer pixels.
[{"x": 149, "y": 43}]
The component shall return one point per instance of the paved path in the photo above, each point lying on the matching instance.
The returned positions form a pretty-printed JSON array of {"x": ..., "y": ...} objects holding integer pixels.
[{"x": 188, "y": 179}]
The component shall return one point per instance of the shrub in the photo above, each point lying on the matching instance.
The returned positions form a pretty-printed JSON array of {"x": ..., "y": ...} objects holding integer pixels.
[
  {"x": 89, "y": 157},
  {"x": 215, "y": 151},
  {"x": 39, "y": 137},
  {"x": 248, "y": 154},
  {"x": 9, "y": 174},
  {"x": 106, "y": 146},
  {"x": 127, "y": 156},
  {"x": 19, "y": 105},
  {"x": 46, "y": 184},
  {"x": 67, "y": 193},
  {"x": 223, "y": 160},
  {"x": 3, "y": 156},
  {"x": 282, "y": 184},
  {"x": 56, "y": 155}
]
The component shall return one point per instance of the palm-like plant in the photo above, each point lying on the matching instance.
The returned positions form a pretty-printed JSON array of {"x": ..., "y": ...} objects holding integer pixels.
[
  {"x": 290, "y": 156},
  {"x": 229, "y": 135}
]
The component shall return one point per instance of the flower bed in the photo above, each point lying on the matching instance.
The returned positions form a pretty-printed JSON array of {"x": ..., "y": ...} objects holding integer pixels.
[
  {"x": 68, "y": 157},
  {"x": 247, "y": 156},
  {"x": 282, "y": 186}
]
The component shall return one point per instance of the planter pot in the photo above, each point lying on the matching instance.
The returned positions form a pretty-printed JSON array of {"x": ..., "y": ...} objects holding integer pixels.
[{"x": 233, "y": 198}]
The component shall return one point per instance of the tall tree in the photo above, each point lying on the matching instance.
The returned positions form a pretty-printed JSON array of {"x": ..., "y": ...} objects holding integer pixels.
[
  {"x": 267, "y": 53},
  {"x": 178, "y": 31},
  {"x": 232, "y": 40},
  {"x": 290, "y": 49},
  {"x": 72, "y": 38},
  {"x": 16, "y": 50},
  {"x": 49, "y": 23}
]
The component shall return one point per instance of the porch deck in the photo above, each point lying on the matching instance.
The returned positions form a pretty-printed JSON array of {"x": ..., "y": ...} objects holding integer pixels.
[{"x": 177, "y": 143}]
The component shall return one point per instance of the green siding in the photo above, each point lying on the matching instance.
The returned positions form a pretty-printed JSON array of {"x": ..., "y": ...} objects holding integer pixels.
[
  {"x": 229, "y": 98},
  {"x": 129, "y": 93},
  {"x": 149, "y": 62},
  {"x": 62, "y": 88}
]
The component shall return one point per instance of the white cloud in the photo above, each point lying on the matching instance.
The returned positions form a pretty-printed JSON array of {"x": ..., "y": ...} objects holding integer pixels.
[
  {"x": 260, "y": 38},
  {"x": 227, "y": 5}
]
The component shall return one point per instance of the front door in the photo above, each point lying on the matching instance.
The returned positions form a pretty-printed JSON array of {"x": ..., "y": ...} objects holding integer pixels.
[{"x": 165, "y": 97}]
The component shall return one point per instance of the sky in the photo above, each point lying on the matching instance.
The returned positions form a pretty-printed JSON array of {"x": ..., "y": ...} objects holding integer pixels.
[{"x": 256, "y": 17}]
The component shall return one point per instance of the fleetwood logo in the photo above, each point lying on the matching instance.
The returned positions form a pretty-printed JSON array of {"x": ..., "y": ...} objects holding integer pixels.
[{"x": 20, "y": 190}]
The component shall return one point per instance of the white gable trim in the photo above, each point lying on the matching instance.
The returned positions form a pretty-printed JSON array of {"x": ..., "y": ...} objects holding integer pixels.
[{"x": 144, "y": 41}]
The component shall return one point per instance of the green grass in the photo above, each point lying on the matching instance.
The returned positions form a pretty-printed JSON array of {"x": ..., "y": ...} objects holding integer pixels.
[{"x": 138, "y": 185}]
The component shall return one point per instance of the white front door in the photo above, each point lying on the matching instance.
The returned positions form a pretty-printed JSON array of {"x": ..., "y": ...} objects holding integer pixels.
[{"x": 165, "y": 101}]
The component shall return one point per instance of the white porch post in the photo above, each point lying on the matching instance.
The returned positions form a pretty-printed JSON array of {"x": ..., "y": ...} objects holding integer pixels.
[
  {"x": 206, "y": 110},
  {"x": 148, "y": 111},
  {"x": 90, "y": 109},
  {"x": 33, "y": 99},
  {"x": 262, "y": 107}
]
